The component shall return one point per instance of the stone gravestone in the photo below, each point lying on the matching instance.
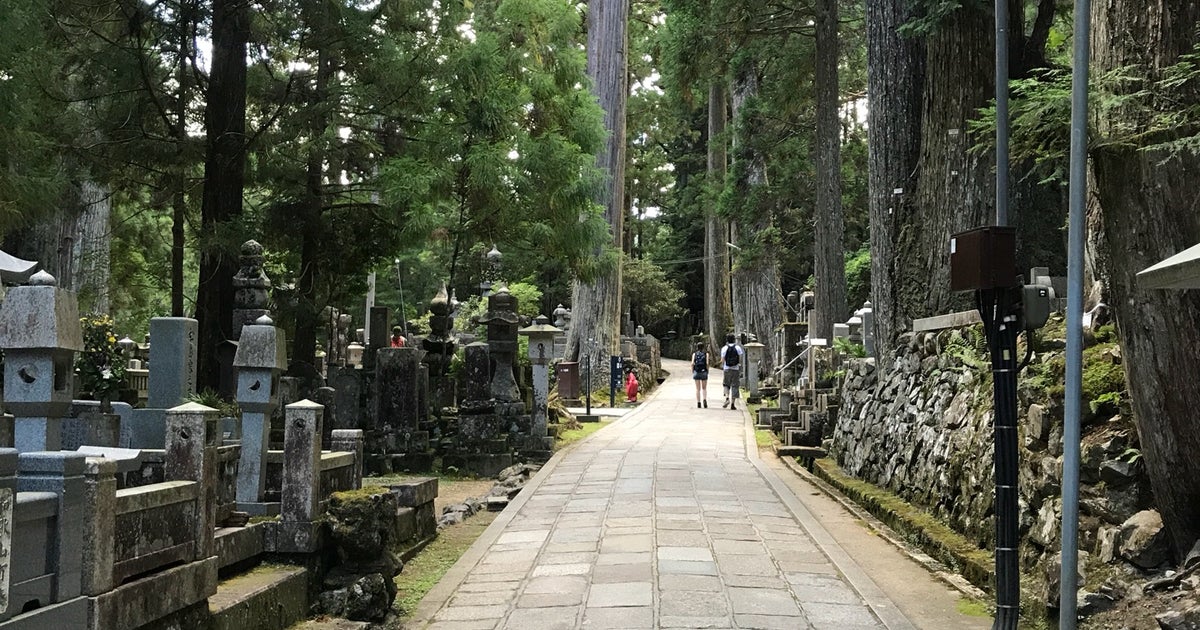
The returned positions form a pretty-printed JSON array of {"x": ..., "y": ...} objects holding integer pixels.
[
  {"x": 40, "y": 334},
  {"x": 480, "y": 445},
  {"x": 397, "y": 410},
  {"x": 261, "y": 357},
  {"x": 172, "y": 378}
]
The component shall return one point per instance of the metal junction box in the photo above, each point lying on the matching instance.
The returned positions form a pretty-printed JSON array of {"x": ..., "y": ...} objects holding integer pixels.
[{"x": 983, "y": 258}]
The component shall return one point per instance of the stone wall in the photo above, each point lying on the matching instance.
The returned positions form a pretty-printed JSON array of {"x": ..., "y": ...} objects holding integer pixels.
[{"x": 923, "y": 431}]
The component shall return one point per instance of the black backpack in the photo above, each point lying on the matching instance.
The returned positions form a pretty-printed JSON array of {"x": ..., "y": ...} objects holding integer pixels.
[
  {"x": 732, "y": 357},
  {"x": 700, "y": 361}
]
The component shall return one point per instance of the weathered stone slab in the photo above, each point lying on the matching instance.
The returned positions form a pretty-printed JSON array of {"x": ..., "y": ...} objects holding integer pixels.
[
  {"x": 172, "y": 361},
  {"x": 415, "y": 492}
]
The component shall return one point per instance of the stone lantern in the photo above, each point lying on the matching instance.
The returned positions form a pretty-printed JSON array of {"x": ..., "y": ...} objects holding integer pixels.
[
  {"x": 40, "y": 334},
  {"x": 560, "y": 316},
  {"x": 491, "y": 273},
  {"x": 501, "y": 321},
  {"x": 541, "y": 349},
  {"x": 261, "y": 357},
  {"x": 754, "y": 357},
  {"x": 129, "y": 349}
]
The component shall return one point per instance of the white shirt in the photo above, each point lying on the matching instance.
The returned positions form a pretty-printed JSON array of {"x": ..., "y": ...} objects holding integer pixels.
[{"x": 741, "y": 356}]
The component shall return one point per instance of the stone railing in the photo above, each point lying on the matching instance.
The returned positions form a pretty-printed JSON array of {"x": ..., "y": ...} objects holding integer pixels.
[{"x": 88, "y": 555}]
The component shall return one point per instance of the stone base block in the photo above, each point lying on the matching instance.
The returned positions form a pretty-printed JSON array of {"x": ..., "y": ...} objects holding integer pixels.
[
  {"x": 413, "y": 462},
  {"x": 295, "y": 536},
  {"x": 480, "y": 464},
  {"x": 266, "y": 599},
  {"x": 415, "y": 492},
  {"x": 587, "y": 418},
  {"x": 147, "y": 429},
  {"x": 237, "y": 544},
  {"x": 143, "y": 601},
  {"x": 259, "y": 509},
  {"x": 72, "y": 613}
]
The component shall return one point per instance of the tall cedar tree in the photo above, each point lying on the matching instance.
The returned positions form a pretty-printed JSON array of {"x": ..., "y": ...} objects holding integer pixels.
[
  {"x": 596, "y": 324},
  {"x": 1148, "y": 201}
]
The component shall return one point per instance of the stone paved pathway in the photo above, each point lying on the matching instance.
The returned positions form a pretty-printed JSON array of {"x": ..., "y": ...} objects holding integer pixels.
[{"x": 663, "y": 520}]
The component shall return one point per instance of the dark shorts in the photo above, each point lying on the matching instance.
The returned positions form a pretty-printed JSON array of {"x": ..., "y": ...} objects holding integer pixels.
[
  {"x": 731, "y": 377},
  {"x": 700, "y": 375}
]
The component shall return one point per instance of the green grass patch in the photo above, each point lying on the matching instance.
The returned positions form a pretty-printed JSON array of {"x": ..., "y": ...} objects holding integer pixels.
[
  {"x": 972, "y": 607},
  {"x": 424, "y": 571},
  {"x": 765, "y": 438},
  {"x": 571, "y": 436}
]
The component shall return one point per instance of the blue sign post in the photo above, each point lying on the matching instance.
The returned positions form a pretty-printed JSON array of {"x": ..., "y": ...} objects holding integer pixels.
[{"x": 614, "y": 378}]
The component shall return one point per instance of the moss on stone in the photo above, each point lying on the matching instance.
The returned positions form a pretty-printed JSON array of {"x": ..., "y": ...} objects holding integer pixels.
[
  {"x": 917, "y": 525},
  {"x": 1100, "y": 375}
]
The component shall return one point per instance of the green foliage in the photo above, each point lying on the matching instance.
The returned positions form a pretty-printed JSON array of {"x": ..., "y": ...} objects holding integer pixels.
[
  {"x": 647, "y": 285},
  {"x": 969, "y": 347},
  {"x": 529, "y": 298},
  {"x": 101, "y": 365},
  {"x": 928, "y": 15},
  {"x": 858, "y": 276},
  {"x": 849, "y": 348},
  {"x": 1107, "y": 403},
  {"x": 210, "y": 398}
]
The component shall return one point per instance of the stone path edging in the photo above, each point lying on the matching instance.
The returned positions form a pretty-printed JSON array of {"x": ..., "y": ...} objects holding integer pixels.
[
  {"x": 931, "y": 564},
  {"x": 872, "y": 595}
]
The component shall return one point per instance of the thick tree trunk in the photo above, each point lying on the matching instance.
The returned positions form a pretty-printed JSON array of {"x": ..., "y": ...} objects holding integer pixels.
[
  {"x": 718, "y": 316},
  {"x": 224, "y": 181},
  {"x": 757, "y": 299},
  {"x": 829, "y": 266},
  {"x": 179, "y": 171},
  {"x": 955, "y": 187},
  {"x": 596, "y": 316},
  {"x": 895, "y": 80},
  {"x": 1151, "y": 210},
  {"x": 310, "y": 223},
  {"x": 73, "y": 245}
]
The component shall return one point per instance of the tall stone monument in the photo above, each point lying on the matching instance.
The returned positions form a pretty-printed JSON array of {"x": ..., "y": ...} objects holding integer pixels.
[
  {"x": 439, "y": 350},
  {"x": 251, "y": 288},
  {"x": 539, "y": 445},
  {"x": 172, "y": 379}
]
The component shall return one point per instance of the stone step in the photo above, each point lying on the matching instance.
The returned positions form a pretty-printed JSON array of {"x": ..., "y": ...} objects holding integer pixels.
[
  {"x": 236, "y": 544},
  {"x": 269, "y": 597}
]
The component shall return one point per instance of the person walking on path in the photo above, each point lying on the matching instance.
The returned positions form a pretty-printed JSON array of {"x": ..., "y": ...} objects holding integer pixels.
[
  {"x": 700, "y": 375},
  {"x": 731, "y": 364}
]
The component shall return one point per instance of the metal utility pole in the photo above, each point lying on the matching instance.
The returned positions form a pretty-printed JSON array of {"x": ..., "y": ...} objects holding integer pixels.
[
  {"x": 999, "y": 308},
  {"x": 1074, "y": 381}
]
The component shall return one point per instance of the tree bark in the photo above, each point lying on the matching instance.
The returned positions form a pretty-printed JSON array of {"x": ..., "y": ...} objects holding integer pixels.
[
  {"x": 757, "y": 299},
  {"x": 224, "y": 181},
  {"x": 955, "y": 187},
  {"x": 1149, "y": 207},
  {"x": 596, "y": 320},
  {"x": 718, "y": 316},
  {"x": 895, "y": 81},
  {"x": 310, "y": 224},
  {"x": 829, "y": 266}
]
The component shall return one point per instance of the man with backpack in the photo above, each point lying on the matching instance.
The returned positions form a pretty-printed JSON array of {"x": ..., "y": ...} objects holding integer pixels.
[{"x": 731, "y": 363}]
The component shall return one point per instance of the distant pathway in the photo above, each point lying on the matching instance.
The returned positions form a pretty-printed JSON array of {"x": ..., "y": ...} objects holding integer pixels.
[{"x": 662, "y": 520}]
